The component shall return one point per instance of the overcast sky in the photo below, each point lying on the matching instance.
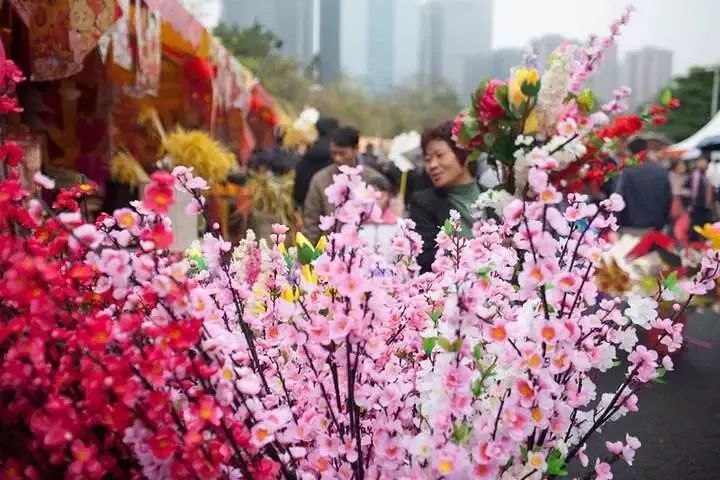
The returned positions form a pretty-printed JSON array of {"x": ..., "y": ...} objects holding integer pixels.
[{"x": 691, "y": 28}]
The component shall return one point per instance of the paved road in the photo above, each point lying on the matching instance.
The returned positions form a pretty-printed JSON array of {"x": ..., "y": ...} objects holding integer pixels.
[{"x": 679, "y": 422}]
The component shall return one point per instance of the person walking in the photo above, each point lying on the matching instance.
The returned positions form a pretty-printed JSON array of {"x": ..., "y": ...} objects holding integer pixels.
[
  {"x": 701, "y": 197},
  {"x": 453, "y": 188},
  {"x": 344, "y": 147},
  {"x": 316, "y": 158}
]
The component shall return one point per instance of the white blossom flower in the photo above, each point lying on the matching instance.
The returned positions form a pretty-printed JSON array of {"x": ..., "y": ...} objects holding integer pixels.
[{"x": 641, "y": 310}]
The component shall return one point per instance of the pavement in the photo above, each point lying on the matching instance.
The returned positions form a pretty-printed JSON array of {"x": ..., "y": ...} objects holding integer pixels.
[{"x": 678, "y": 422}]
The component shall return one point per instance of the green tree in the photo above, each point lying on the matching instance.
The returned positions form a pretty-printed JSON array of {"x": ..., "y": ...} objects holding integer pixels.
[
  {"x": 695, "y": 94},
  {"x": 258, "y": 49},
  {"x": 408, "y": 107}
]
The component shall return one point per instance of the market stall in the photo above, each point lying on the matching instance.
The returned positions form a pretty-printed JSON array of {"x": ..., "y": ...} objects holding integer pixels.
[{"x": 112, "y": 83}]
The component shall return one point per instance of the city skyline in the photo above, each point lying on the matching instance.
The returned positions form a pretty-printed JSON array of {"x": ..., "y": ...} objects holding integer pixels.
[
  {"x": 292, "y": 21},
  {"x": 374, "y": 35},
  {"x": 666, "y": 24}
]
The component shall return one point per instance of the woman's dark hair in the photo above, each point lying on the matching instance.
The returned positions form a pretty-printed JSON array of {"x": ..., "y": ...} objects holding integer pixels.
[
  {"x": 380, "y": 183},
  {"x": 346, "y": 137},
  {"x": 326, "y": 126},
  {"x": 443, "y": 132}
]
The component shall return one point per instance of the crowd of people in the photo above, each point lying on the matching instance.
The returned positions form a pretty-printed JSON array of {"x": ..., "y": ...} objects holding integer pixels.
[
  {"x": 659, "y": 196},
  {"x": 662, "y": 195}
]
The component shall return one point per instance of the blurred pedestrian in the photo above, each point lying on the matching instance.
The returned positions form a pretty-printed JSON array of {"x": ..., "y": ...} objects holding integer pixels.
[
  {"x": 344, "y": 146},
  {"x": 384, "y": 188},
  {"x": 647, "y": 193},
  {"x": 315, "y": 159},
  {"x": 701, "y": 197},
  {"x": 453, "y": 188},
  {"x": 369, "y": 158},
  {"x": 678, "y": 178}
]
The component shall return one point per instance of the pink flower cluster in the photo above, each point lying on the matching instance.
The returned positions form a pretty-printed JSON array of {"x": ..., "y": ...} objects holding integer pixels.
[
  {"x": 591, "y": 55},
  {"x": 120, "y": 359}
]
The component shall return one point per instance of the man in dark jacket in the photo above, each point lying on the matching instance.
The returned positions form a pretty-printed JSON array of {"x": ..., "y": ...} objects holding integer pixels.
[
  {"x": 648, "y": 197},
  {"x": 316, "y": 158}
]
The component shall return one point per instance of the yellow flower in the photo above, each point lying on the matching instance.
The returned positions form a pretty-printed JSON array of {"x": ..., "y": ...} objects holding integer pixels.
[
  {"x": 521, "y": 75},
  {"x": 445, "y": 466},
  {"x": 301, "y": 240},
  {"x": 291, "y": 294},
  {"x": 531, "y": 123},
  {"x": 309, "y": 275},
  {"x": 282, "y": 249},
  {"x": 209, "y": 159},
  {"x": 125, "y": 169},
  {"x": 711, "y": 232}
]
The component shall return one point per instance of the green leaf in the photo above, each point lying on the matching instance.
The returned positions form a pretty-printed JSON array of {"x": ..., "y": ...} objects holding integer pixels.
[
  {"x": 448, "y": 227},
  {"x": 460, "y": 433},
  {"x": 660, "y": 374},
  {"x": 428, "y": 344},
  {"x": 556, "y": 463},
  {"x": 469, "y": 130},
  {"x": 476, "y": 96},
  {"x": 288, "y": 261},
  {"x": 616, "y": 363},
  {"x": 586, "y": 101},
  {"x": 501, "y": 96},
  {"x": 477, "y": 352},
  {"x": 484, "y": 271},
  {"x": 305, "y": 254},
  {"x": 477, "y": 388},
  {"x": 670, "y": 281},
  {"x": 324, "y": 312},
  {"x": 665, "y": 97},
  {"x": 524, "y": 454},
  {"x": 480, "y": 90},
  {"x": 474, "y": 155},
  {"x": 455, "y": 346},
  {"x": 489, "y": 139},
  {"x": 435, "y": 315},
  {"x": 530, "y": 89},
  {"x": 503, "y": 149},
  {"x": 444, "y": 344}
]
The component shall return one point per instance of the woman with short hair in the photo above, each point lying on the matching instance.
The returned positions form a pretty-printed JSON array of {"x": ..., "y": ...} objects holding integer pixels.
[{"x": 454, "y": 188}]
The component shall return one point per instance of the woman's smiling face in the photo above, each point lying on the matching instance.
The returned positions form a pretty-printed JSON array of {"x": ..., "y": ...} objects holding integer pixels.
[{"x": 442, "y": 165}]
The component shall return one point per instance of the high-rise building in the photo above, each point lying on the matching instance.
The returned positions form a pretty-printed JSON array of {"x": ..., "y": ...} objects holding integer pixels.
[
  {"x": 647, "y": 71},
  {"x": 330, "y": 14},
  {"x": 453, "y": 32},
  {"x": 380, "y": 50},
  {"x": 380, "y": 41},
  {"x": 605, "y": 79},
  {"x": 495, "y": 65},
  {"x": 544, "y": 46},
  {"x": 354, "y": 39},
  {"x": 290, "y": 20},
  {"x": 503, "y": 61},
  {"x": 406, "y": 41}
]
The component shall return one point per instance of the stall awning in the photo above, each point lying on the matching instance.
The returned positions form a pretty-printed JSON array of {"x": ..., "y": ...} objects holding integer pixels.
[
  {"x": 691, "y": 143},
  {"x": 181, "y": 31}
]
